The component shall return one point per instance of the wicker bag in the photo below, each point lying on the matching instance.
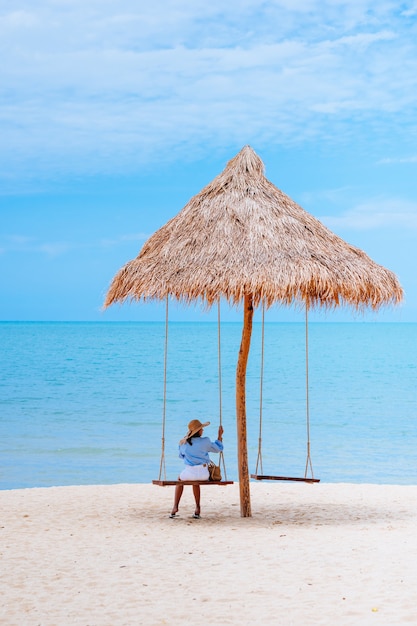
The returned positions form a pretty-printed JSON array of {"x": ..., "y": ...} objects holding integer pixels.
[{"x": 214, "y": 471}]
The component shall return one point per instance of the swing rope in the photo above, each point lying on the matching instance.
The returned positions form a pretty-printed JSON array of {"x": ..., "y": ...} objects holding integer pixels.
[
  {"x": 308, "y": 460},
  {"x": 221, "y": 455},
  {"x": 162, "y": 467},
  {"x": 261, "y": 386}
]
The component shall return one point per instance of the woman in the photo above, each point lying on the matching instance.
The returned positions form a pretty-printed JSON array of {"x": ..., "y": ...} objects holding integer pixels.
[{"x": 194, "y": 450}]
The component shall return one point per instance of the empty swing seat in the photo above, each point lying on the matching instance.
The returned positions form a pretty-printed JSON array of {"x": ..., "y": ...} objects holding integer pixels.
[
  {"x": 300, "y": 479},
  {"x": 290, "y": 478}
]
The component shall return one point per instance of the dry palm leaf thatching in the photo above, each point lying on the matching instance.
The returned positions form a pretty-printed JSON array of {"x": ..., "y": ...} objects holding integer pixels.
[{"x": 241, "y": 235}]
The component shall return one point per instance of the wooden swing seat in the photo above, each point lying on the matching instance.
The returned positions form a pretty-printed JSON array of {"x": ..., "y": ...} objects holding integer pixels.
[
  {"x": 169, "y": 483},
  {"x": 293, "y": 478}
]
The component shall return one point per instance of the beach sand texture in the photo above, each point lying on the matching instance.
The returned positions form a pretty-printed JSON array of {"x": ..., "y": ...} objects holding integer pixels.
[{"x": 333, "y": 554}]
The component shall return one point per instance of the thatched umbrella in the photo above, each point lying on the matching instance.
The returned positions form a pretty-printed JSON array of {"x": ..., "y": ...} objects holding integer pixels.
[{"x": 243, "y": 239}]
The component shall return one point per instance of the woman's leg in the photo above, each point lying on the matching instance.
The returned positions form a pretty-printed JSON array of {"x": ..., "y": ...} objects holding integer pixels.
[
  {"x": 196, "y": 491},
  {"x": 178, "y": 493}
]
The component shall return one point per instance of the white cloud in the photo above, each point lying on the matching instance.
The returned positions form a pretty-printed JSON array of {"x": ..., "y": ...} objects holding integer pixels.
[
  {"x": 54, "y": 249},
  {"x": 389, "y": 161},
  {"x": 379, "y": 213},
  {"x": 17, "y": 241},
  {"x": 18, "y": 20},
  {"x": 100, "y": 86},
  {"x": 24, "y": 244},
  {"x": 411, "y": 10},
  {"x": 123, "y": 238},
  {"x": 28, "y": 244}
]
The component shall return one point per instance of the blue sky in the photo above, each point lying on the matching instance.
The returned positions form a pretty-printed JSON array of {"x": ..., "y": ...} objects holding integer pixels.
[{"x": 114, "y": 113}]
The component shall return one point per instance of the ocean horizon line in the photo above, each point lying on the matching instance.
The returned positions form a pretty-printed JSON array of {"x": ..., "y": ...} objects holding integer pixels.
[{"x": 208, "y": 322}]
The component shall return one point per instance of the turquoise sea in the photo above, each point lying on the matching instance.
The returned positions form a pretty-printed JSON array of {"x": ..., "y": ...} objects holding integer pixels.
[{"x": 82, "y": 403}]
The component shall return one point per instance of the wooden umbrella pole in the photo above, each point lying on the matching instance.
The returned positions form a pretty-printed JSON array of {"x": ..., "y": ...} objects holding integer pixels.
[{"x": 242, "y": 446}]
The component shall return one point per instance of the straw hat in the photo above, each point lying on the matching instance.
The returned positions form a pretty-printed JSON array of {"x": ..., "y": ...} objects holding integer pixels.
[{"x": 193, "y": 427}]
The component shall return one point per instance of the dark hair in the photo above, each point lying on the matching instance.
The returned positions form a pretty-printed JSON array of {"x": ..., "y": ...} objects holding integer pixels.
[{"x": 189, "y": 440}]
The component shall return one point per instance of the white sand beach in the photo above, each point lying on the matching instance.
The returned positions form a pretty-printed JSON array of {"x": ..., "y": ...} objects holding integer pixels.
[{"x": 333, "y": 554}]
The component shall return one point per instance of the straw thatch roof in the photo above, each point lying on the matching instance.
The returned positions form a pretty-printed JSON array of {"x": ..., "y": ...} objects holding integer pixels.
[{"x": 242, "y": 236}]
